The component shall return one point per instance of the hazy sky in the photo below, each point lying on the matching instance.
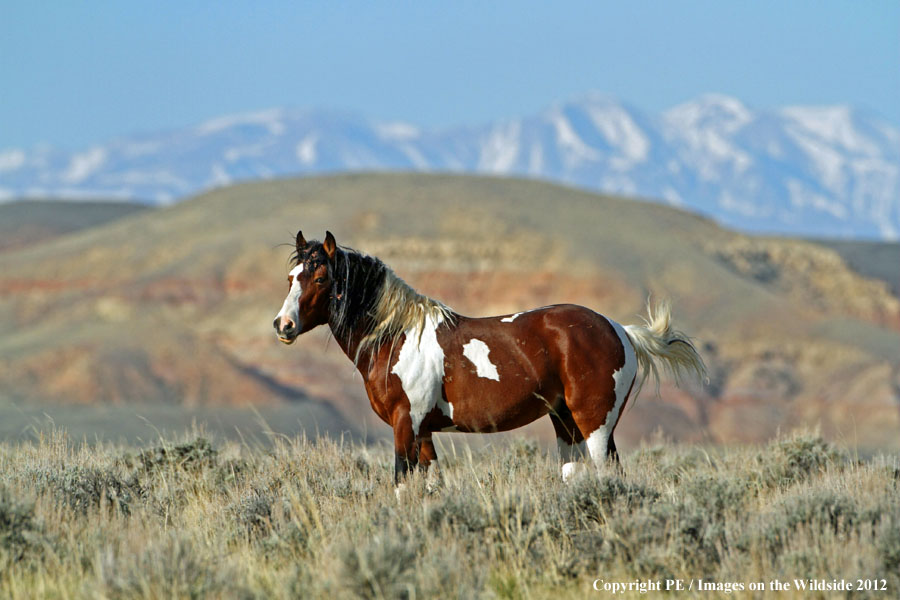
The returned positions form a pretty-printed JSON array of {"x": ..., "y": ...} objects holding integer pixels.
[{"x": 73, "y": 73}]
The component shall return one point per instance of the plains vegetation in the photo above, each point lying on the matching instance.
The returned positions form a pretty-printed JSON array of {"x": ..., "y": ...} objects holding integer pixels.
[{"x": 293, "y": 517}]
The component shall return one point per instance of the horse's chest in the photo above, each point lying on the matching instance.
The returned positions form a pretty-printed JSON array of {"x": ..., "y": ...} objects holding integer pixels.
[{"x": 420, "y": 368}]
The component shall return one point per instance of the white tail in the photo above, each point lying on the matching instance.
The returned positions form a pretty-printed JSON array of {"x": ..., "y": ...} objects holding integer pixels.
[{"x": 657, "y": 342}]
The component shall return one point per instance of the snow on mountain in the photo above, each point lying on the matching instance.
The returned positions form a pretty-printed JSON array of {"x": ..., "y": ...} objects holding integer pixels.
[{"x": 823, "y": 171}]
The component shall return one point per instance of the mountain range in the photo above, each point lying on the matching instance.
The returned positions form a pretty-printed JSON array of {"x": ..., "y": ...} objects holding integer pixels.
[{"x": 830, "y": 171}]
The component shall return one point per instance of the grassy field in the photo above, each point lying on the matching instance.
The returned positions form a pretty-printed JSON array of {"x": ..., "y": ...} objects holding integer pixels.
[{"x": 295, "y": 518}]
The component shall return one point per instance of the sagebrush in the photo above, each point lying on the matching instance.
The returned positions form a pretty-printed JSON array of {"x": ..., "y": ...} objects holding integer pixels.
[{"x": 299, "y": 518}]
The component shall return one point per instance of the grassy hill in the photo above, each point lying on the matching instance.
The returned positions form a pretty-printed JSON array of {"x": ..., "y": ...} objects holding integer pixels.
[
  {"x": 880, "y": 260},
  {"x": 175, "y": 305},
  {"x": 27, "y": 222}
]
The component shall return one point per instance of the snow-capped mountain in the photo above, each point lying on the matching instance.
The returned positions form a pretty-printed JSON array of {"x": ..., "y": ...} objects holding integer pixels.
[{"x": 822, "y": 171}]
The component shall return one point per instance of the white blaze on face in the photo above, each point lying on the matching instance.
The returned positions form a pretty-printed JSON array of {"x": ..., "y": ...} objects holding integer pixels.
[
  {"x": 623, "y": 378},
  {"x": 477, "y": 352},
  {"x": 420, "y": 367},
  {"x": 290, "y": 308}
]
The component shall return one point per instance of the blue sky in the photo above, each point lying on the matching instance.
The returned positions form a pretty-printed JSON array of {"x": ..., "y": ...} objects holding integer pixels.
[{"x": 73, "y": 73}]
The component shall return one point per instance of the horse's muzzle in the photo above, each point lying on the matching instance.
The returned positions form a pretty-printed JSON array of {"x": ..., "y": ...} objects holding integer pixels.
[{"x": 286, "y": 330}]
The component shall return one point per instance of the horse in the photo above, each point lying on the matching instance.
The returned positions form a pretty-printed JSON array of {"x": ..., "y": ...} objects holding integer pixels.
[{"x": 428, "y": 369}]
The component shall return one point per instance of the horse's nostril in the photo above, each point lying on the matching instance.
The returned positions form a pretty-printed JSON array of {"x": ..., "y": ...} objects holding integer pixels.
[{"x": 284, "y": 325}]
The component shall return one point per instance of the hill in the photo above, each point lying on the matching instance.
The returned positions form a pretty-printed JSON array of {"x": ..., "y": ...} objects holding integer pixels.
[
  {"x": 176, "y": 305},
  {"x": 29, "y": 222},
  {"x": 872, "y": 259},
  {"x": 815, "y": 171}
]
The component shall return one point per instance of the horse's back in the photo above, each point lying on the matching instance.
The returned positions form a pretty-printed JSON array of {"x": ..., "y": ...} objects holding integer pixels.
[
  {"x": 503, "y": 372},
  {"x": 563, "y": 324}
]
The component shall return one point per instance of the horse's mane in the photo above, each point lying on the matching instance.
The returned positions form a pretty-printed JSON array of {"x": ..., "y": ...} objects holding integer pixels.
[{"x": 368, "y": 299}]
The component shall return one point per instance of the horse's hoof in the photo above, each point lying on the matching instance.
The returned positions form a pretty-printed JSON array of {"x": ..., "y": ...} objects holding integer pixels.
[
  {"x": 400, "y": 491},
  {"x": 570, "y": 470}
]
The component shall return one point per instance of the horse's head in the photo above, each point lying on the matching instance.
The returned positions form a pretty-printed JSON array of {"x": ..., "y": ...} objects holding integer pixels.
[{"x": 309, "y": 297}]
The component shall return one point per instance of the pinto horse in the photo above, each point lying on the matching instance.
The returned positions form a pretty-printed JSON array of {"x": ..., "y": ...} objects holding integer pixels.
[{"x": 428, "y": 369}]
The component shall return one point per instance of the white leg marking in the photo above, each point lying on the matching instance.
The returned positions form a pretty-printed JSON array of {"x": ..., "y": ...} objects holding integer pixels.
[
  {"x": 570, "y": 469},
  {"x": 623, "y": 378},
  {"x": 400, "y": 491},
  {"x": 597, "y": 443},
  {"x": 570, "y": 455},
  {"x": 477, "y": 352},
  {"x": 420, "y": 367}
]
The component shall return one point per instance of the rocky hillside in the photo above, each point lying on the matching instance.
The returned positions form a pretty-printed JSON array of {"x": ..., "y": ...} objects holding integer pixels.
[{"x": 175, "y": 305}]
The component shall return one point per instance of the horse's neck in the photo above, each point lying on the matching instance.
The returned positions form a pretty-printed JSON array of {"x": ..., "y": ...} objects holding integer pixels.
[{"x": 350, "y": 345}]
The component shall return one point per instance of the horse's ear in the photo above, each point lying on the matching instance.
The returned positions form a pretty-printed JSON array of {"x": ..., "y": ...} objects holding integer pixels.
[
  {"x": 329, "y": 245},
  {"x": 301, "y": 241}
]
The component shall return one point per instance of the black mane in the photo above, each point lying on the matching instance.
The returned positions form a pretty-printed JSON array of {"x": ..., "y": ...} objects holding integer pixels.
[{"x": 356, "y": 282}]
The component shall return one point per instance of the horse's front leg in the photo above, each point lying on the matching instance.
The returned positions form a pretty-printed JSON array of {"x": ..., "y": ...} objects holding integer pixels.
[{"x": 405, "y": 445}]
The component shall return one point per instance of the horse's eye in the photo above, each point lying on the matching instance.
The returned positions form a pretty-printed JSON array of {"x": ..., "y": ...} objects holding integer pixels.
[{"x": 320, "y": 280}]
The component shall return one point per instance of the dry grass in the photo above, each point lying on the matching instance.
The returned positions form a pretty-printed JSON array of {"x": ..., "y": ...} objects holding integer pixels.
[{"x": 304, "y": 519}]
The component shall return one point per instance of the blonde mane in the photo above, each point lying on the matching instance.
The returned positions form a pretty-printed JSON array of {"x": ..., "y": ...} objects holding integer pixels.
[{"x": 401, "y": 309}]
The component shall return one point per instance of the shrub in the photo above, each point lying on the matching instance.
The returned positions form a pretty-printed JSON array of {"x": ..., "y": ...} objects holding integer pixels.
[
  {"x": 816, "y": 510},
  {"x": 795, "y": 460},
  {"x": 83, "y": 488},
  {"x": 717, "y": 494},
  {"x": 19, "y": 533},
  {"x": 380, "y": 567},
  {"x": 460, "y": 511},
  {"x": 173, "y": 567},
  {"x": 889, "y": 544},
  {"x": 589, "y": 498},
  {"x": 193, "y": 455},
  {"x": 254, "y": 513}
]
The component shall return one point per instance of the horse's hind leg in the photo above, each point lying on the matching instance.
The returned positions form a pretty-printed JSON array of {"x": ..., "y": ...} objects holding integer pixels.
[
  {"x": 427, "y": 455},
  {"x": 597, "y": 401},
  {"x": 428, "y": 462},
  {"x": 569, "y": 440},
  {"x": 597, "y": 417},
  {"x": 613, "y": 455}
]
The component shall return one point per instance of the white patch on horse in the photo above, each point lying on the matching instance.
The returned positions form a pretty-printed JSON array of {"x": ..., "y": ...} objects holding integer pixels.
[
  {"x": 512, "y": 318},
  {"x": 420, "y": 367},
  {"x": 291, "y": 307},
  {"x": 623, "y": 378},
  {"x": 477, "y": 352}
]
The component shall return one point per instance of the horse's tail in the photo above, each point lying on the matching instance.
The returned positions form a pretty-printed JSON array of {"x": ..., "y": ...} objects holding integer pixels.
[{"x": 657, "y": 342}]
